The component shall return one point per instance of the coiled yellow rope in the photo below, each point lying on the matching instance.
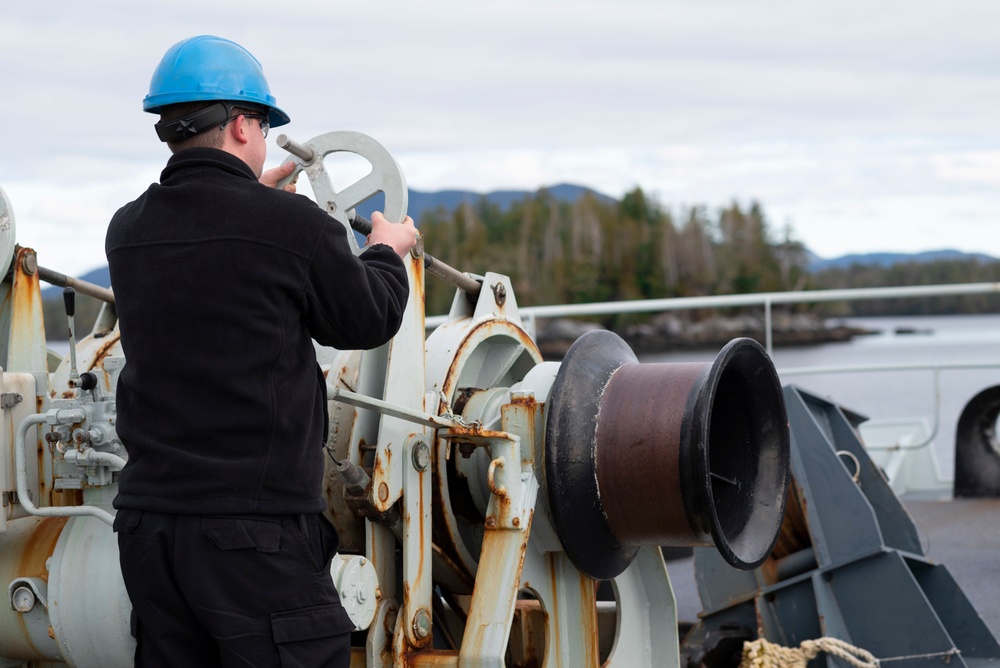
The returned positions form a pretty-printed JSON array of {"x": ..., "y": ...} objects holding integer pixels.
[{"x": 762, "y": 654}]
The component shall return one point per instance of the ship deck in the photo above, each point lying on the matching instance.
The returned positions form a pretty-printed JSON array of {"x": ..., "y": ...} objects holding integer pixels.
[{"x": 961, "y": 534}]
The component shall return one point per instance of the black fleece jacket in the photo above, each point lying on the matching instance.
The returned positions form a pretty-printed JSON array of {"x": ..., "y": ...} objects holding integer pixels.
[{"x": 220, "y": 285}]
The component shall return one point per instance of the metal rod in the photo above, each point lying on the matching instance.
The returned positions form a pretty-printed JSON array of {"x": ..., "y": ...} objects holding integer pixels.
[
  {"x": 462, "y": 281},
  {"x": 295, "y": 148},
  {"x": 83, "y": 287},
  {"x": 385, "y": 408},
  {"x": 444, "y": 271}
]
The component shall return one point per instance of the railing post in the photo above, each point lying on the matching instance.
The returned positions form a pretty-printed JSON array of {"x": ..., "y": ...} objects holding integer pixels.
[{"x": 767, "y": 326}]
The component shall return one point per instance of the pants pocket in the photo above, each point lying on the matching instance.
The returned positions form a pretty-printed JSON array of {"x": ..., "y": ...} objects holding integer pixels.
[
  {"x": 127, "y": 521},
  {"x": 313, "y": 636},
  {"x": 238, "y": 533}
]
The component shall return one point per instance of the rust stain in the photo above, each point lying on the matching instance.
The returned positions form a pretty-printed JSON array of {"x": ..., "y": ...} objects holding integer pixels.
[
  {"x": 769, "y": 570},
  {"x": 358, "y": 659},
  {"x": 419, "y": 281},
  {"x": 40, "y": 454},
  {"x": 39, "y": 547},
  {"x": 406, "y": 596},
  {"x": 68, "y": 394},
  {"x": 26, "y": 287},
  {"x": 430, "y": 658},
  {"x": 554, "y": 590},
  {"x": 66, "y": 497},
  {"x": 794, "y": 533},
  {"x": 760, "y": 621},
  {"x": 451, "y": 377},
  {"x": 103, "y": 351}
]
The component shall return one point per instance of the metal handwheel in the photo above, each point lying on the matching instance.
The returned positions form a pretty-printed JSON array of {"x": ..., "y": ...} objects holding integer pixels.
[
  {"x": 386, "y": 176},
  {"x": 7, "y": 232}
]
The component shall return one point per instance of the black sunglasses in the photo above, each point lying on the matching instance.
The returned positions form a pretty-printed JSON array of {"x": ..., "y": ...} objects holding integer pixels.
[{"x": 265, "y": 124}]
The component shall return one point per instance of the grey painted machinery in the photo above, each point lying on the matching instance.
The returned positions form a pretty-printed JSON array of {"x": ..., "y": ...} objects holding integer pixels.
[
  {"x": 482, "y": 495},
  {"x": 848, "y": 565}
]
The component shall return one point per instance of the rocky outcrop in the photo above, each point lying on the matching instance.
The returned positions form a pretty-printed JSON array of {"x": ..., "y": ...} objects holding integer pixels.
[{"x": 669, "y": 331}]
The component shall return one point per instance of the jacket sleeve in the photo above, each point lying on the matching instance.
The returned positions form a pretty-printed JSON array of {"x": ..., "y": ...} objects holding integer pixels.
[{"x": 354, "y": 302}]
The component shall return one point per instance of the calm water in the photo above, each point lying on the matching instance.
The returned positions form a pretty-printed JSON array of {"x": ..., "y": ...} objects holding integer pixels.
[{"x": 897, "y": 394}]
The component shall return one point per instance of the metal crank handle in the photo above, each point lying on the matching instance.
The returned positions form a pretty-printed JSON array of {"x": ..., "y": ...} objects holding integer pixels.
[
  {"x": 81, "y": 286},
  {"x": 463, "y": 282}
]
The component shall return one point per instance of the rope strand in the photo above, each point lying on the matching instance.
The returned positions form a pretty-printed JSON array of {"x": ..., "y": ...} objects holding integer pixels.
[{"x": 763, "y": 654}]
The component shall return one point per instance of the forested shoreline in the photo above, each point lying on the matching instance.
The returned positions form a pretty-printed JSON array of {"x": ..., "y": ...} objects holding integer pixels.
[
  {"x": 604, "y": 250},
  {"x": 599, "y": 249}
]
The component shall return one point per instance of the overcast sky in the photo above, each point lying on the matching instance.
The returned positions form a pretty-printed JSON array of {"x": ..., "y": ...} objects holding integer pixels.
[{"x": 866, "y": 126}]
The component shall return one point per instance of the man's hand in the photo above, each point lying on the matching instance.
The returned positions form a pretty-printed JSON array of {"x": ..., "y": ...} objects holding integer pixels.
[
  {"x": 402, "y": 236},
  {"x": 271, "y": 177}
]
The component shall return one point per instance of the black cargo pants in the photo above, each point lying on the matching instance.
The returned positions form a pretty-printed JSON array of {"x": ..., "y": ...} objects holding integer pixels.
[{"x": 232, "y": 590}]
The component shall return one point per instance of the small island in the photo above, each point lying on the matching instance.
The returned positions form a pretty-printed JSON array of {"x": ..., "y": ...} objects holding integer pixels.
[{"x": 670, "y": 331}]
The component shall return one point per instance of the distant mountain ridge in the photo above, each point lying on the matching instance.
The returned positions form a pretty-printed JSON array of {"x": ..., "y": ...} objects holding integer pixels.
[
  {"x": 887, "y": 259},
  {"x": 420, "y": 203}
]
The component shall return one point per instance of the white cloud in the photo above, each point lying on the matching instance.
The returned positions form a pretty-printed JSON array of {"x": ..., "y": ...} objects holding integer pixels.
[{"x": 873, "y": 119}]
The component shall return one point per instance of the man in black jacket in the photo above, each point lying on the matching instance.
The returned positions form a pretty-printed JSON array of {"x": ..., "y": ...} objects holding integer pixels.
[{"x": 222, "y": 283}]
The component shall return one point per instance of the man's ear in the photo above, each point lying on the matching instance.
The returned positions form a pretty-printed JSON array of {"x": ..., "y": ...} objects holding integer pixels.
[{"x": 237, "y": 129}]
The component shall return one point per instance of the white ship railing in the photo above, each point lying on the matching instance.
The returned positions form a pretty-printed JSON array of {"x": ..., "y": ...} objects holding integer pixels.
[{"x": 765, "y": 299}]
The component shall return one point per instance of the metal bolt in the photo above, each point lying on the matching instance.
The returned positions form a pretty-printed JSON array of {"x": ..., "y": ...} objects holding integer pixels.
[
  {"x": 516, "y": 521},
  {"x": 422, "y": 623},
  {"x": 499, "y": 293},
  {"x": 421, "y": 455},
  {"x": 491, "y": 522},
  {"x": 383, "y": 492},
  {"x": 466, "y": 449},
  {"x": 29, "y": 263},
  {"x": 22, "y": 599}
]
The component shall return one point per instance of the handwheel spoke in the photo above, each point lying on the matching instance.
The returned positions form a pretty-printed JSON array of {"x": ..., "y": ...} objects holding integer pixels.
[
  {"x": 358, "y": 192},
  {"x": 499, "y": 363}
]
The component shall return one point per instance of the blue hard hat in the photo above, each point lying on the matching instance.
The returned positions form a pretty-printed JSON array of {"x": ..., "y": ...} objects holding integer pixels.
[{"x": 207, "y": 68}]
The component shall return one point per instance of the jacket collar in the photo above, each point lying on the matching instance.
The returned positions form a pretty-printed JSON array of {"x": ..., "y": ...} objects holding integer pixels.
[{"x": 206, "y": 157}]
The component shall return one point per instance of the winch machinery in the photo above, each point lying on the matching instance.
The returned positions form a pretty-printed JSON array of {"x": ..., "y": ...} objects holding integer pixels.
[{"x": 494, "y": 508}]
